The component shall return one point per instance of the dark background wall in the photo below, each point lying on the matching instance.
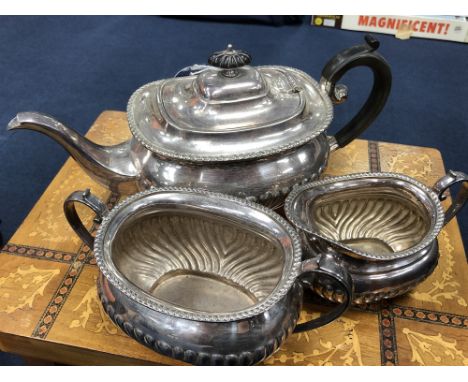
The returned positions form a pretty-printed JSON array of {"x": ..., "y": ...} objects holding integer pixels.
[{"x": 75, "y": 67}]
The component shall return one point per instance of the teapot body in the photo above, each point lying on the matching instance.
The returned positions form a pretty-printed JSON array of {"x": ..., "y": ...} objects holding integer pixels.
[{"x": 264, "y": 180}]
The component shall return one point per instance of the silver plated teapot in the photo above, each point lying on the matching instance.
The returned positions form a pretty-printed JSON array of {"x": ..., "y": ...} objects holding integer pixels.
[{"x": 230, "y": 127}]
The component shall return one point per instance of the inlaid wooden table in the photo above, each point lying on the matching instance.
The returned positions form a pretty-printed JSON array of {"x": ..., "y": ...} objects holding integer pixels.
[{"x": 49, "y": 308}]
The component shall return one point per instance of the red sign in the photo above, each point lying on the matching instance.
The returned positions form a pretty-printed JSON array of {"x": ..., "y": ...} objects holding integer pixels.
[{"x": 394, "y": 23}]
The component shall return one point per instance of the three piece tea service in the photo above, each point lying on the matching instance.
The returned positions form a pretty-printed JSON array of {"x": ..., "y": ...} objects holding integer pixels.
[{"x": 195, "y": 263}]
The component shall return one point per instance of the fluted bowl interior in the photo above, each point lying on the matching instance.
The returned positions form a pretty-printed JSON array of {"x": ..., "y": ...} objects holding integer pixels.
[
  {"x": 199, "y": 262},
  {"x": 383, "y": 220},
  {"x": 379, "y": 216},
  {"x": 198, "y": 256}
]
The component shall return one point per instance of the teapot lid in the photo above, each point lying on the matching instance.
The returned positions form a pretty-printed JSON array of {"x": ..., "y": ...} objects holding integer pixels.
[{"x": 229, "y": 111}]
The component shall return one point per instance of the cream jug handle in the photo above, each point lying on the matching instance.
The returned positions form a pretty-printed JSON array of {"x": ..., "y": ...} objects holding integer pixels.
[
  {"x": 445, "y": 183},
  {"x": 327, "y": 268},
  {"x": 84, "y": 197}
]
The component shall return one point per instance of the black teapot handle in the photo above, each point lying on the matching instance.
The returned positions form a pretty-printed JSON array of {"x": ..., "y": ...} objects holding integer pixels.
[
  {"x": 359, "y": 55},
  {"x": 93, "y": 202},
  {"x": 326, "y": 276}
]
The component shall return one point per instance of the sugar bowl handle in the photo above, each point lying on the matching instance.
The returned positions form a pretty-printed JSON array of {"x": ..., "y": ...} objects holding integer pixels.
[
  {"x": 447, "y": 181},
  {"x": 84, "y": 197},
  {"x": 359, "y": 55},
  {"x": 328, "y": 269}
]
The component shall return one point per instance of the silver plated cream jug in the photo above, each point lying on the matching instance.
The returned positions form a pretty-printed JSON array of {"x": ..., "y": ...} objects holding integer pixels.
[
  {"x": 252, "y": 132},
  {"x": 381, "y": 227}
]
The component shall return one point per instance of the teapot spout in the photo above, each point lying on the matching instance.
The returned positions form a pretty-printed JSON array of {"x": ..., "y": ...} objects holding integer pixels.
[{"x": 111, "y": 166}]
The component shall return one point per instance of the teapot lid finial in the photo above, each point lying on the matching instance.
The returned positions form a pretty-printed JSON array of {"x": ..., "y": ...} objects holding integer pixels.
[{"x": 229, "y": 58}]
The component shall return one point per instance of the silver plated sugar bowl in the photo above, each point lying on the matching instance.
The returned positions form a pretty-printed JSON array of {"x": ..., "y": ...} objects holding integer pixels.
[
  {"x": 230, "y": 127},
  {"x": 202, "y": 277},
  {"x": 380, "y": 227}
]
